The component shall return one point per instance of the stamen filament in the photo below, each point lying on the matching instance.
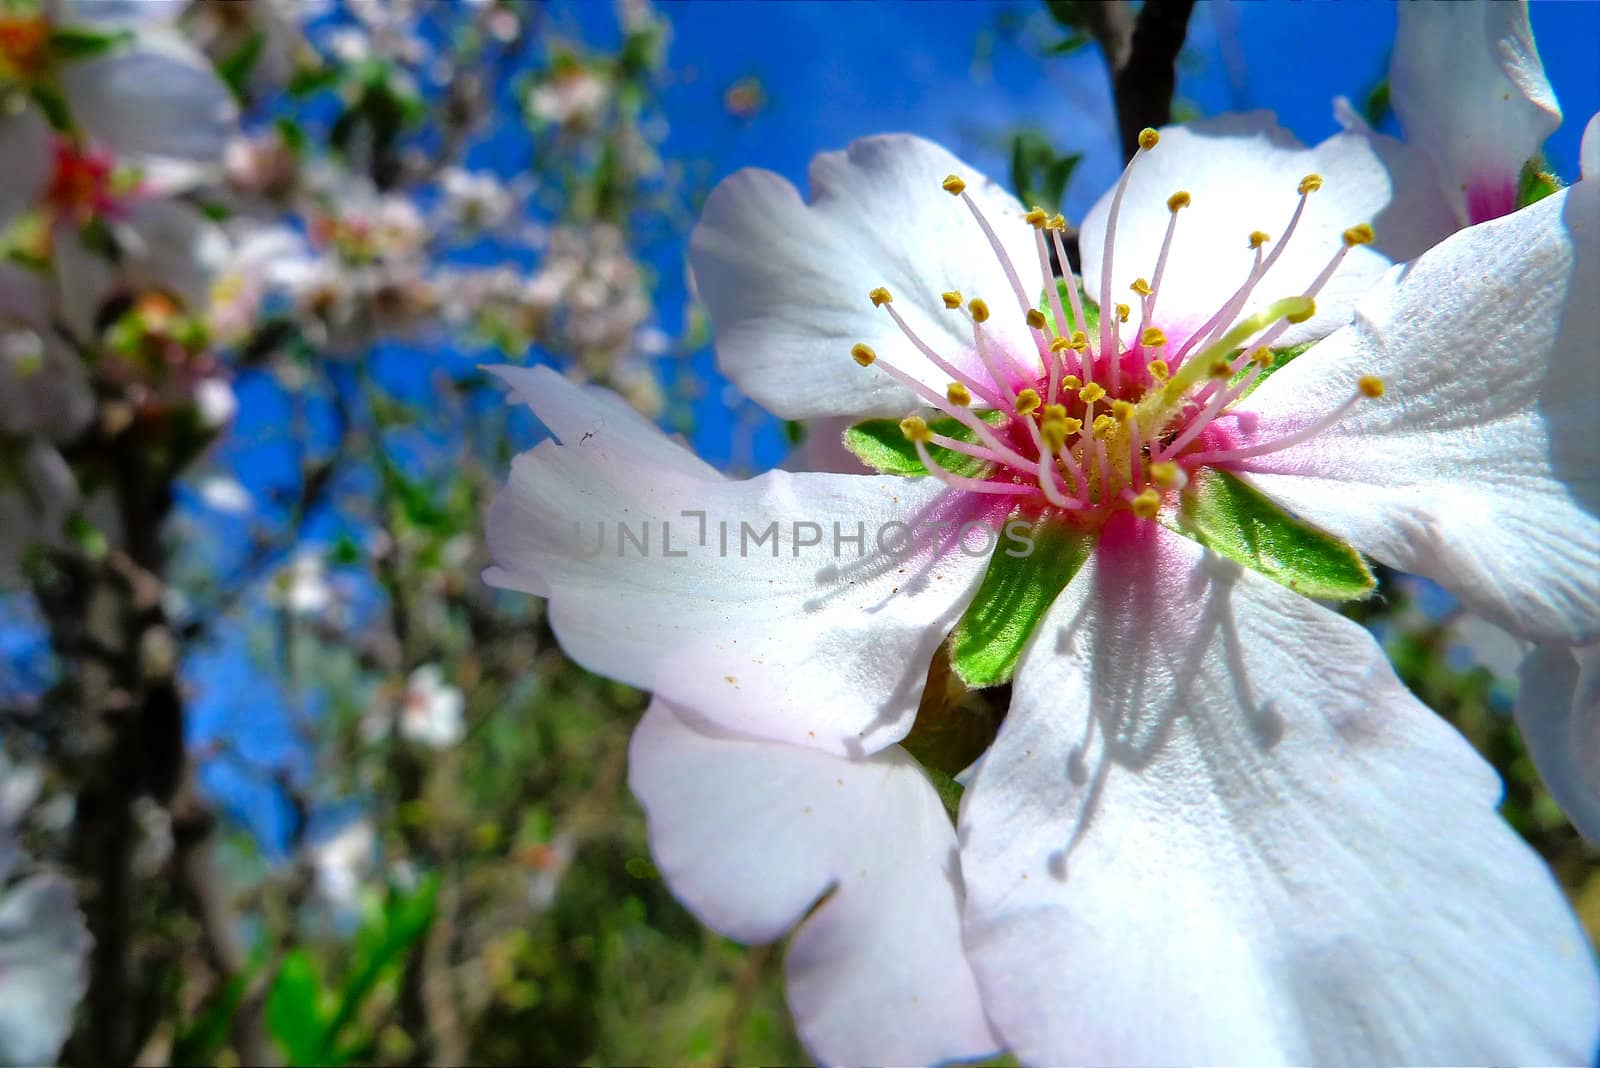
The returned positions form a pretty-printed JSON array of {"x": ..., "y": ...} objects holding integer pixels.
[
  {"x": 1149, "y": 138},
  {"x": 988, "y": 393},
  {"x": 1054, "y": 359},
  {"x": 1000, "y": 455},
  {"x": 1265, "y": 447},
  {"x": 1078, "y": 320},
  {"x": 1023, "y": 300},
  {"x": 1231, "y": 306},
  {"x": 970, "y": 485}
]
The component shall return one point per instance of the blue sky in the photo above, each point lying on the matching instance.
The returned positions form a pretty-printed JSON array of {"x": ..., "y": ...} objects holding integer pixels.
[{"x": 953, "y": 72}]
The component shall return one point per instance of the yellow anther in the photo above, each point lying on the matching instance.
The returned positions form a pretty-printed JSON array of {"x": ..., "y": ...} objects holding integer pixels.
[
  {"x": 879, "y": 297},
  {"x": 1360, "y": 234},
  {"x": 863, "y": 354},
  {"x": 958, "y": 395},
  {"x": 915, "y": 428},
  {"x": 1147, "y": 504},
  {"x": 1148, "y": 139},
  {"x": 1036, "y": 218},
  {"x": 979, "y": 310},
  {"x": 1370, "y": 386},
  {"x": 1122, "y": 313},
  {"x": 1152, "y": 338},
  {"x": 1262, "y": 358},
  {"x": 1035, "y": 318},
  {"x": 1158, "y": 370},
  {"x": 952, "y": 299},
  {"x": 1103, "y": 426},
  {"x": 1054, "y": 432},
  {"x": 1071, "y": 382},
  {"x": 954, "y": 185},
  {"x": 1220, "y": 368},
  {"x": 1259, "y": 238},
  {"x": 1073, "y": 425},
  {"x": 1060, "y": 344},
  {"x": 1027, "y": 402},
  {"x": 1057, "y": 221},
  {"x": 1180, "y": 199},
  {"x": 1310, "y": 184},
  {"x": 1054, "y": 411},
  {"x": 1122, "y": 410},
  {"x": 1080, "y": 340},
  {"x": 1091, "y": 393},
  {"x": 1167, "y": 474},
  {"x": 1302, "y": 316},
  {"x": 1141, "y": 287}
]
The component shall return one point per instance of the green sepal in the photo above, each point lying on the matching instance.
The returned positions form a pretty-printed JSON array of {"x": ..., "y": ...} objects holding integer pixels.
[
  {"x": 880, "y": 445},
  {"x": 1280, "y": 357},
  {"x": 54, "y": 105},
  {"x": 1016, "y": 592},
  {"x": 1230, "y": 517},
  {"x": 69, "y": 43},
  {"x": 1091, "y": 311},
  {"x": 1535, "y": 183}
]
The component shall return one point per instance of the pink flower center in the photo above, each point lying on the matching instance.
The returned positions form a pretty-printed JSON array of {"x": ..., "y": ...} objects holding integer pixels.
[
  {"x": 83, "y": 185},
  {"x": 1088, "y": 426}
]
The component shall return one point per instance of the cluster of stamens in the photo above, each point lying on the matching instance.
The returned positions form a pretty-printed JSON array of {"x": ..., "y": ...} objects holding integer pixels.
[{"x": 1114, "y": 420}]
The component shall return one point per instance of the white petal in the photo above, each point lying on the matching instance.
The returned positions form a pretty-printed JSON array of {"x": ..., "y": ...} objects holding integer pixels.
[
  {"x": 1480, "y": 465},
  {"x": 25, "y": 146},
  {"x": 1215, "y": 827},
  {"x": 43, "y": 943},
  {"x": 1589, "y": 149},
  {"x": 1468, "y": 88},
  {"x": 1243, "y": 172},
  {"x": 572, "y": 411},
  {"x": 157, "y": 98},
  {"x": 169, "y": 245},
  {"x": 751, "y": 835},
  {"x": 786, "y": 281},
  {"x": 764, "y": 617},
  {"x": 1558, "y": 709}
]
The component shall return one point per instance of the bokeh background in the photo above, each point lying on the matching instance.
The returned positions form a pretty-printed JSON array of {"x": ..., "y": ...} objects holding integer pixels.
[{"x": 381, "y": 818}]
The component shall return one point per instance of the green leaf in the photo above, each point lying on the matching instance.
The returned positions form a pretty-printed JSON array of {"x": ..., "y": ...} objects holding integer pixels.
[
  {"x": 54, "y": 106},
  {"x": 1091, "y": 311},
  {"x": 1067, "y": 45},
  {"x": 880, "y": 445},
  {"x": 312, "y": 79},
  {"x": 1038, "y": 173},
  {"x": 294, "y": 1010},
  {"x": 1536, "y": 183},
  {"x": 236, "y": 67},
  {"x": 1067, "y": 13},
  {"x": 380, "y": 947},
  {"x": 68, "y": 43},
  {"x": 202, "y": 1038},
  {"x": 1016, "y": 592},
  {"x": 1376, "y": 107},
  {"x": 1228, "y": 516}
]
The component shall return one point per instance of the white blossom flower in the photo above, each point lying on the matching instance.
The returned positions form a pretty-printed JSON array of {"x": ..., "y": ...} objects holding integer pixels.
[
  {"x": 475, "y": 201},
  {"x": 43, "y": 942},
  {"x": 343, "y": 861},
  {"x": 1213, "y": 812},
  {"x": 302, "y": 586},
  {"x": 431, "y": 710},
  {"x": 1469, "y": 91}
]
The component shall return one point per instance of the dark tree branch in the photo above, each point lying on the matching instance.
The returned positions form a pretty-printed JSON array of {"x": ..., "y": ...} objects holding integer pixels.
[{"x": 1142, "y": 54}]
